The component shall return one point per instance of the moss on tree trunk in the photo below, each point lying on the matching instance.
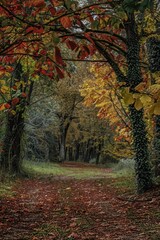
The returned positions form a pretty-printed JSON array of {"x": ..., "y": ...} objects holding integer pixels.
[
  {"x": 142, "y": 165},
  {"x": 134, "y": 77},
  {"x": 153, "y": 49}
]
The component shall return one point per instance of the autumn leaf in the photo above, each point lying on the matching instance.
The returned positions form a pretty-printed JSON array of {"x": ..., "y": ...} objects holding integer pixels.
[
  {"x": 15, "y": 101},
  {"x": 52, "y": 10},
  {"x": 146, "y": 100},
  {"x": 141, "y": 87},
  {"x": 156, "y": 110},
  {"x": 35, "y": 29},
  {"x": 4, "y": 89},
  {"x": 36, "y": 3},
  {"x": 87, "y": 35},
  {"x": 128, "y": 99},
  {"x": 2, "y": 107},
  {"x": 73, "y": 235},
  {"x": 23, "y": 94},
  {"x": 2, "y": 82},
  {"x": 7, "y": 105},
  {"x": 60, "y": 72},
  {"x": 154, "y": 88},
  {"x": 13, "y": 112},
  {"x": 72, "y": 45},
  {"x": 138, "y": 104},
  {"x": 66, "y": 22},
  {"x": 58, "y": 56}
]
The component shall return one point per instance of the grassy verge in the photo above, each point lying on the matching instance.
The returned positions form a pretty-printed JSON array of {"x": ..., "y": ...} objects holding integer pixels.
[
  {"x": 53, "y": 169},
  {"x": 118, "y": 178},
  {"x": 124, "y": 179}
]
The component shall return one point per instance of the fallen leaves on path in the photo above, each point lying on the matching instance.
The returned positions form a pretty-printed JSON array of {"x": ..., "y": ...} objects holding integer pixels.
[{"x": 70, "y": 209}]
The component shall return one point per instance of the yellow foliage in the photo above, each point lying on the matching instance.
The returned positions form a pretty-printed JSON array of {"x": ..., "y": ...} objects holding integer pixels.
[
  {"x": 102, "y": 91},
  {"x": 138, "y": 104},
  {"x": 4, "y": 89},
  {"x": 141, "y": 87},
  {"x": 128, "y": 99},
  {"x": 2, "y": 82},
  {"x": 13, "y": 112},
  {"x": 146, "y": 100},
  {"x": 156, "y": 108}
]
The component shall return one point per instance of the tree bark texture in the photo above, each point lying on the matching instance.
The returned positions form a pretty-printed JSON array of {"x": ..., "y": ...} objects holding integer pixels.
[{"x": 134, "y": 77}]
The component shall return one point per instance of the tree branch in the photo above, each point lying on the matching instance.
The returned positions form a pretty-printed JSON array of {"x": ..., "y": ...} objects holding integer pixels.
[{"x": 120, "y": 76}]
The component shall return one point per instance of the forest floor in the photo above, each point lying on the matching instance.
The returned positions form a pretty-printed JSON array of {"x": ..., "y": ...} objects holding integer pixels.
[{"x": 79, "y": 205}]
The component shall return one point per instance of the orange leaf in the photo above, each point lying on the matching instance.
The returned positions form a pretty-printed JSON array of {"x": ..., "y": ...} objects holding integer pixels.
[
  {"x": 2, "y": 107},
  {"x": 23, "y": 94},
  {"x": 66, "y": 22},
  {"x": 35, "y": 30}
]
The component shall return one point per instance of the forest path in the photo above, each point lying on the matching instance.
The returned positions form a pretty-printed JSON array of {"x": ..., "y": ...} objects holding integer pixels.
[{"x": 65, "y": 208}]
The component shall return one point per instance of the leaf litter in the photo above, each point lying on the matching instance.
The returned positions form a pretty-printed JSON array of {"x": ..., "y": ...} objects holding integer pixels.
[{"x": 84, "y": 209}]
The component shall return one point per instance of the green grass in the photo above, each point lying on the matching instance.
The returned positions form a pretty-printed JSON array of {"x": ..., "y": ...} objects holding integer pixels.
[
  {"x": 123, "y": 181},
  {"x": 53, "y": 169},
  {"x": 120, "y": 179}
]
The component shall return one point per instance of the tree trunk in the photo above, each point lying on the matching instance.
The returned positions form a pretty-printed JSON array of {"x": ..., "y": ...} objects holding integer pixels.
[
  {"x": 62, "y": 152},
  {"x": 11, "y": 154},
  {"x": 98, "y": 153},
  {"x": 142, "y": 165},
  {"x": 76, "y": 158},
  {"x": 153, "y": 49},
  {"x": 156, "y": 144},
  {"x": 86, "y": 157},
  {"x": 12, "y": 143},
  {"x": 134, "y": 77}
]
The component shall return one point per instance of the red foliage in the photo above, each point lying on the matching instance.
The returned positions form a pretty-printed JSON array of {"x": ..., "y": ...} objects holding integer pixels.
[
  {"x": 60, "y": 72},
  {"x": 58, "y": 56},
  {"x": 7, "y": 105},
  {"x": 15, "y": 101}
]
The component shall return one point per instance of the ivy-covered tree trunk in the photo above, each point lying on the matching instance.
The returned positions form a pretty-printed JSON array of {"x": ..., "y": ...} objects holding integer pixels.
[
  {"x": 142, "y": 164},
  {"x": 134, "y": 77},
  {"x": 156, "y": 144},
  {"x": 153, "y": 49}
]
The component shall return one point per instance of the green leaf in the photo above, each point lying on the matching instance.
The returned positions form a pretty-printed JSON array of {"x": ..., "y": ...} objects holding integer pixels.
[
  {"x": 95, "y": 24},
  {"x": 146, "y": 4}
]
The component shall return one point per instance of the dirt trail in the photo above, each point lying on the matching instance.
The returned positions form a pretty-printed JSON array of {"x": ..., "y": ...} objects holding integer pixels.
[{"x": 68, "y": 209}]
